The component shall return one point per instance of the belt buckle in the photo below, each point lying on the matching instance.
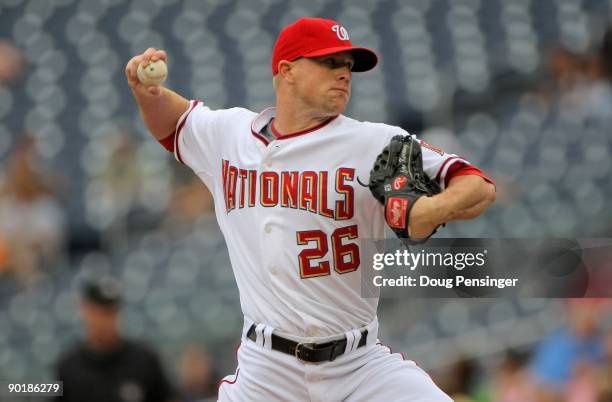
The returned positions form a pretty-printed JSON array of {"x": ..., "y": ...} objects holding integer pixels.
[{"x": 310, "y": 345}]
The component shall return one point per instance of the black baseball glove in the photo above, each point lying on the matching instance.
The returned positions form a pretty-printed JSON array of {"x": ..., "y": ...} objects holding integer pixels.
[{"x": 397, "y": 181}]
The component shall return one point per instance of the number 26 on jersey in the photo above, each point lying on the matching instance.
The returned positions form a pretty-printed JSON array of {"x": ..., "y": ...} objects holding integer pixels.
[{"x": 344, "y": 256}]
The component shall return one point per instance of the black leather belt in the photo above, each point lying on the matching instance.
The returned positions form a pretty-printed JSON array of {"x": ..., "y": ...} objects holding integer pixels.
[{"x": 308, "y": 351}]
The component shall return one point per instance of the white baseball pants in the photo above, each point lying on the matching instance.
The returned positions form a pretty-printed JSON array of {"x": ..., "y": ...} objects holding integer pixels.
[{"x": 367, "y": 374}]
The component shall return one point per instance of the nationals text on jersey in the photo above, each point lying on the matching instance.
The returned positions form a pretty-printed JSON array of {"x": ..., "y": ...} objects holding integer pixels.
[{"x": 291, "y": 189}]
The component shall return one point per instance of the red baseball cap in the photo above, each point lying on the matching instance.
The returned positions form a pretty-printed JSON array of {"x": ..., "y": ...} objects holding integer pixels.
[{"x": 313, "y": 37}]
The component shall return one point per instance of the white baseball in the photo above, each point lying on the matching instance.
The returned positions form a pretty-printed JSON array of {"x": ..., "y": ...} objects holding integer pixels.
[{"x": 153, "y": 73}]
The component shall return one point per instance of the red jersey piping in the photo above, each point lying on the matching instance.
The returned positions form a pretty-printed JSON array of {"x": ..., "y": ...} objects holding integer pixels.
[
  {"x": 453, "y": 158},
  {"x": 180, "y": 127}
]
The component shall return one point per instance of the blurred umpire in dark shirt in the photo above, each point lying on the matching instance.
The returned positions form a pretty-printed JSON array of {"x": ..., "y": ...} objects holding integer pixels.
[{"x": 106, "y": 367}]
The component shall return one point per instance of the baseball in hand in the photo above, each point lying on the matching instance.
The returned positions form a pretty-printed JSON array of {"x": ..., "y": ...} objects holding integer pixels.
[{"x": 153, "y": 73}]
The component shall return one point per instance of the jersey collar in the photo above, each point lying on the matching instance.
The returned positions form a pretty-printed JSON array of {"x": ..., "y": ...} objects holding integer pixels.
[{"x": 263, "y": 118}]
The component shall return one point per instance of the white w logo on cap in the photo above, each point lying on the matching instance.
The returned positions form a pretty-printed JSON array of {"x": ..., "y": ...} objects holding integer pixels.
[{"x": 341, "y": 32}]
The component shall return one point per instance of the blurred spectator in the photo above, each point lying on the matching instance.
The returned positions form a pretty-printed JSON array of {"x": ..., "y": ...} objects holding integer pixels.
[
  {"x": 32, "y": 222},
  {"x": 583, "y": 386},
  {"x": 11, "y": 62},
  {"x": 604, "y": 376},
  {"x": 566, "y": 360},
  {"x": 4, "y": 254},
  {"x": 599, "y": 72},
  {"x": 123, "y": 173},
  {"x": 197, "y": 380},
  {"x": 118, "y": 185},
  {"x": 511, "y": 382},
  {"x": 106, "y": 367},
  {"x": 458, "y": 380},
  {"x": 567, "y": 69},
  {"x": 583, "y": 83},
  {"x": 605, "y": 55},
  {"x": 189, "y": 202},
  {"x": 128, "y": 189}
]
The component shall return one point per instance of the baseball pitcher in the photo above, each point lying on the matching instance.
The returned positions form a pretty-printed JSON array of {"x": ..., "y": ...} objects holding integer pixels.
[{"x": 297, "y": 188}]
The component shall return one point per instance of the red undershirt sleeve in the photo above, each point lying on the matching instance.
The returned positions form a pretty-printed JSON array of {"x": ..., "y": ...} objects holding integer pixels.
[
  {"x": 168, "y": 142},
  {"x": 462, "y": 169}
]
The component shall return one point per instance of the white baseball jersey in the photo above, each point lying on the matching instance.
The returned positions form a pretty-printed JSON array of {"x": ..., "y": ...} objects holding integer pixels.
[{"x": 292, "y": 212}]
